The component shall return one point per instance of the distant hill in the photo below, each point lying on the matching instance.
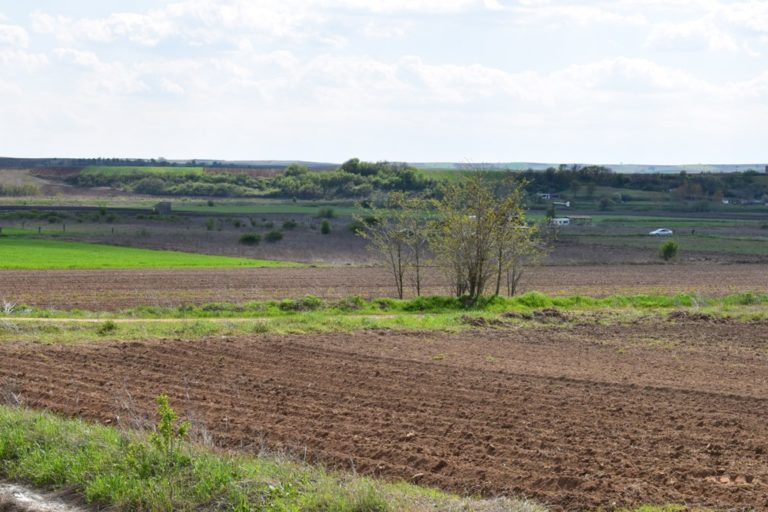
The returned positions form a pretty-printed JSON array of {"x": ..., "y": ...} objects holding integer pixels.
[
  {"x": 9, "y": 162},
  {"x": 620, "y": 168}
]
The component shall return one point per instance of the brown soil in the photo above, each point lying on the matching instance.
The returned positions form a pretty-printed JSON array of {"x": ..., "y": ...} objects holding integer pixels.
[
  {"x": 111, "y": 289},
  {"x": 581, "y": 416}
]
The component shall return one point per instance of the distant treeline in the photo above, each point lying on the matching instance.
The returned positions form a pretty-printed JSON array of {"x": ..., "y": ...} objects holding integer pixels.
[
  {"x": 37, "y": 163},
  {"x": 356, "y": 179},
  {"x": 682, "y": 185},
  {"x": 353, "y": 179}
]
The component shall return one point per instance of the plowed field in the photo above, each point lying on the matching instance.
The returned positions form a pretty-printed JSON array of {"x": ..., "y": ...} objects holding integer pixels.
[
  {"x": 112, "y": 289},
  {"x": 584, "y": 416}
]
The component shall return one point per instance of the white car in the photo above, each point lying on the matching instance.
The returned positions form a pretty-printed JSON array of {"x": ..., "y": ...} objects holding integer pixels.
[{"x": 661, "y": 232}]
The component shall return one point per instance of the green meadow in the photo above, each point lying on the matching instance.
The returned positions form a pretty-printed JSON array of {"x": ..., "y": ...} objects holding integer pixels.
[{"x": 22, "y": 253}]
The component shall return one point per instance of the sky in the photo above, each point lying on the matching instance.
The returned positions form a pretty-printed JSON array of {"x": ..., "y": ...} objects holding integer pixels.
[{"x": 621, "y": 81}]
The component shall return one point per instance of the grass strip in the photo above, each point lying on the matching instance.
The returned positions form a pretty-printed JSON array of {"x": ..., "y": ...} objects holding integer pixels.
[
  {"x": 435, "y": 305},
  {"x": 128, "y": 470}
]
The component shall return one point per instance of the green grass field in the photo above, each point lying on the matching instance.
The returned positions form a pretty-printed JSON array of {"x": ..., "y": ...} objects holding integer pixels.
[
  {"x": 129, "y": 170},
  {"x": 21, "y": 253},
  {"x": 694, "y": 243}
]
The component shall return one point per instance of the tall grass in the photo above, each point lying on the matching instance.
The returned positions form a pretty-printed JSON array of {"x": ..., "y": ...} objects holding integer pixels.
[{"x": 126, "y": 470}]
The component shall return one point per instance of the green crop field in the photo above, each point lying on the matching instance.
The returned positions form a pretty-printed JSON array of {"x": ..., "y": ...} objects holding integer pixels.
[
  {"x": 266, "y": 206},
  {"x": 20, "y": 253},
  {"x": 129, "y": 170}
]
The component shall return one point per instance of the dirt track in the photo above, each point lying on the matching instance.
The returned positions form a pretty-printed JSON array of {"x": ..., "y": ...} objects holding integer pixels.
[
  {"x": 650, "y": 413},
  {"x": 112, "y": 289}
]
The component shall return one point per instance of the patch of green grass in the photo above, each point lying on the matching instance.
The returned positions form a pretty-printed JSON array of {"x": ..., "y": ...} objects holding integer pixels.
[
  {"x": 54, "y": 254},
  {"x": 688, "y": 243},
  {"x": 312, "y": 314},
  {"x": 126, "y": 470},
  {"x": 127, "y": 170}
]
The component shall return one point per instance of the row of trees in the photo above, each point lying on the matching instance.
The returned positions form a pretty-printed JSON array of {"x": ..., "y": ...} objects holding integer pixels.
[{"x": 475, "y": 233}]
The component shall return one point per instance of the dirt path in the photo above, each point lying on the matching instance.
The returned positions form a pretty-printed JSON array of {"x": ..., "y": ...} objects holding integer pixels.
[
  {"x": 581, "y": 417},
  {"x": 114, "y": 289}
]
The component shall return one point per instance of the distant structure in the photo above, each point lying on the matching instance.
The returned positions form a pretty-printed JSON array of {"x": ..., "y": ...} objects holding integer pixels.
[
  {"x": 163, "y": 208},
  {"x": 571, "y": 220}
]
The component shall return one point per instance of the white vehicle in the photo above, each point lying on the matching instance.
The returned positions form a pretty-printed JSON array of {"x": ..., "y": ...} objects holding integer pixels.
[{"x": 661, "y": 232}]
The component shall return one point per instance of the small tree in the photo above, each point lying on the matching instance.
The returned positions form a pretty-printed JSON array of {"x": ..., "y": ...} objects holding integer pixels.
[
  {"x": 479, "y": 231},
  {"x": 668, "y": 250},
  {"x": 396, "y": 236},
  {"x": 325, "y": 227}
]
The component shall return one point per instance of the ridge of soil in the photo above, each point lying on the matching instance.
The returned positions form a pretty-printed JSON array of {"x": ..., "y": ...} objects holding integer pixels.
[{"x": 577, "y": 417}]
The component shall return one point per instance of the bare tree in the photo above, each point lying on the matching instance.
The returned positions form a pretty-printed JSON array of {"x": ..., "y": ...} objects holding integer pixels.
[
  {"x": 398, "y": 235},
  {"x": 479, "y": 232}
]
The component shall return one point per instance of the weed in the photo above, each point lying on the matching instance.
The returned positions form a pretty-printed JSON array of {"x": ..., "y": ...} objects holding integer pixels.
[
  {"x": 274, "y": 236},
  {"x": 106, "y": 328}
]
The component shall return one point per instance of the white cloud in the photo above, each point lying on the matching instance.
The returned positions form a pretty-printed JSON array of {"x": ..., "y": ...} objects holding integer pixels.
[
  {"x": 13, "y": 35},
  {"x": 701, "y": 34},
  {"x": 111, "y": 78}
]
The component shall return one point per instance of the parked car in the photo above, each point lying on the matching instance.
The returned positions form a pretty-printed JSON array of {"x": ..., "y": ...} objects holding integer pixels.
[{"x": 661, "y": 232}]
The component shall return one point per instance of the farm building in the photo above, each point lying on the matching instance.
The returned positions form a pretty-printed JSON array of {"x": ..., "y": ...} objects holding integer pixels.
[{"x": 560, "y": 221}]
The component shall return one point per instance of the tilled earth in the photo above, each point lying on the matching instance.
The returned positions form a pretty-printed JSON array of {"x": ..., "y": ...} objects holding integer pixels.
[
  {"x": 114, "y": 289},
  {"x": 581, "y": 416}
]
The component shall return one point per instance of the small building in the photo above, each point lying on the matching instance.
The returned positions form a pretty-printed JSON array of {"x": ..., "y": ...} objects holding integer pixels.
[
  {"x": 560, "y": 221},
  {"x": 564, "y": 204},
  {"x": 163, "y": 208}
]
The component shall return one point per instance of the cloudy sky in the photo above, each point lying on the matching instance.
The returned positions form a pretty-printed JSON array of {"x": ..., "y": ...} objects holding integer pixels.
[{"x": 633, "y": 81}]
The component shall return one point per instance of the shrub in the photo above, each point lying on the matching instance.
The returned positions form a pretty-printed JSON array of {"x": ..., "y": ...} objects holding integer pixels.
[
  {"x": 308, "y": 303},
  {"x": 107, "y": 327},
  {"x": 250, "y": 239},
  {"x": 352, "y": 303},
  {"x": 273, "y": 236},
  {"x": 209, "y": 224},
  {"x": 325, "y": 227},
  {"x": 326, "y": 213},
  {"x": 668, "y": 250},
  {"x": 290, "y": 224}
]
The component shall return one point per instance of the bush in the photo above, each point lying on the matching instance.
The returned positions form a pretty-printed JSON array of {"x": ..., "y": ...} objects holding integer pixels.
[
  {"x": 290, "y": 224},
  {"x": 326, "y": 213},
  {"x": 273, "y": 236},
  {"x": 250, "y": 239},
  {"x": 308, "y": 303},
  {"x": 107, "y": 327},
  {"x": 325, "y": 227},
  {"x": 668, "y": 250}
]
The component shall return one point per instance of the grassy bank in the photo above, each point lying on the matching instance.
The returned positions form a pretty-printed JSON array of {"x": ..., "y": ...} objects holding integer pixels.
[
  {"x": 387, "y": 307},
  {"x": 124, "y": 470},
  {"x": 314, "y": 315},
  {"x": 23, "y": 253}
]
